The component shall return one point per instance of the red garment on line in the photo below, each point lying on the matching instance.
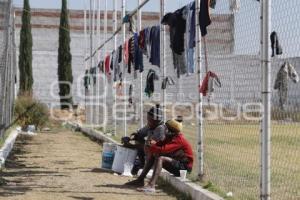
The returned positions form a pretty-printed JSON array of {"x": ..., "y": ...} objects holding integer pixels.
[
  {"x": 203, "y": 88},
  {"x": 107, "y": 65},
  {"x": 126, "y": 52},
  {"x": 178, "y": 142}
]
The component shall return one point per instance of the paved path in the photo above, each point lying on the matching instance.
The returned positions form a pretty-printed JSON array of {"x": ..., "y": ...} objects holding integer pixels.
[{"x": 62, "y": 165}]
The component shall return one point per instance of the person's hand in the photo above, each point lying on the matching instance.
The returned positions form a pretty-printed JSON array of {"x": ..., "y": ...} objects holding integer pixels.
[
  {"x": 133, "y": 136},
  {"x": 152, "y": 142}
]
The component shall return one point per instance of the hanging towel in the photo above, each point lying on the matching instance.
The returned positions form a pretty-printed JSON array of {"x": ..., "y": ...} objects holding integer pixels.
[
  {"x": 151, "y": 77},
  {"x": 281, "y": 83},
  {"x": 208, "y": 83},
  {"x": 204, "y": 17},
  {"x": 276, "y": 47}
]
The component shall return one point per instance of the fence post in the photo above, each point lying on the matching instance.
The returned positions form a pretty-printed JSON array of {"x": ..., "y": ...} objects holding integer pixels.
[
  {"x": 124, "y": 70},
  {"x": 141, "y": 73},
  {"x": 162, "y": 54},
  {"x": 91, "y": 61},
  {"x": 115, "y": 47},
  {"x": 199, "y": 106},
  {"x": 265, "y": 186},
  {"x": 105, "y": 77}
]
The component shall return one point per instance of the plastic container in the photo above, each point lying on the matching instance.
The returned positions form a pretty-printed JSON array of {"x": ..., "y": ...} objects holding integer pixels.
[{"x": 123, "y": 155}]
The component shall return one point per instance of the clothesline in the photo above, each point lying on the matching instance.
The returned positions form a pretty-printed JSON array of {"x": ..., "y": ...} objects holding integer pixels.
[{"x": 119, "y": 29}]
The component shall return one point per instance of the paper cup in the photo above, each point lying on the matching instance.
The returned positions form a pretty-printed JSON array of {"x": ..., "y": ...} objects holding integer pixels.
[{"x": 183, "y": 175}]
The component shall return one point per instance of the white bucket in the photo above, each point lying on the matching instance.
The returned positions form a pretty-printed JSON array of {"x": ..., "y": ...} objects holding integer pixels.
[
  {"x": 123, "y": 155},
  {"x": 108, "y": 155}
]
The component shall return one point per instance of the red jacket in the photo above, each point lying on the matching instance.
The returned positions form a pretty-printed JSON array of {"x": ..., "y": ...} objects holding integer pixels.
[{"x": 176, "y": 143}]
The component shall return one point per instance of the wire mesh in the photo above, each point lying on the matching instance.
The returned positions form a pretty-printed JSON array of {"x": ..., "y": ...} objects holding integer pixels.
[
  {"x": 7, "y": 64},
  {"x": 233, "y": 111}
]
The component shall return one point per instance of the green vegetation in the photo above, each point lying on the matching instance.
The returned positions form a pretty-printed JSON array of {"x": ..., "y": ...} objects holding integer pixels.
[
  {"x": 232, "y": 158},
  {"x": 30, "y": 111},
  {"x": 65, "y": 77},
  {"x": 25, "y": 54}
]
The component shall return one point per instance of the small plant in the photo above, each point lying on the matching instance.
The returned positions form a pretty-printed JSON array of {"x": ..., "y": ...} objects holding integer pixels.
[{"x": 29, "y": 111}]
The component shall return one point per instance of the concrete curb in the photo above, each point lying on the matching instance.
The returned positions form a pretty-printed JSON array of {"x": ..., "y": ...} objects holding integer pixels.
[
  {"x": 195, "y": 191},
  {"x": 7, "y": 147}
]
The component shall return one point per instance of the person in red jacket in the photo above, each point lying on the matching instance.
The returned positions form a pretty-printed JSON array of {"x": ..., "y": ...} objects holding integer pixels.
[{"x": 173, "y": 154}]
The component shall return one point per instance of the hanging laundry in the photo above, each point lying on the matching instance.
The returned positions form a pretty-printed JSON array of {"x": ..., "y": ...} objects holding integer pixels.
[
  {"x": 151, "y": 77},
  {"x": 120, "y": 54},
  {"x": 141, "y": 39},
  {"x": 177, "y": 25},
  {"x": 167, "y": 81},
  {"x": 86, "y": 79},
  {"x": 132, "y": 22},
  {"x": 116, "y": 65},
  {"x": 138, "y": 55},
  {"x": 204, "y": 17},
  {"x": 234, "y": 5},
  {"x": 130, "y": 93},
  {"x": 281, "y": 83},
  {"x": 93, "y": 73},
  {"x": 107, "y": 65},
  {"x": 179, "y": 63},
  {"x": 212, "y": 4},
  {"x": 101, "y": 66},
  {"x": 130, "y": 56},
  {"x": 126, "y": 52},
  {"x": 112, "y": 60},
  {"x": 147, "y": 51},
  {"x": 189, "y": 15},
  {"x": 276, "y": 47},
  {"x": 208, "y": 85},
  {"x": 177, "y": 29},
  {"x": 154, "y": 40}
]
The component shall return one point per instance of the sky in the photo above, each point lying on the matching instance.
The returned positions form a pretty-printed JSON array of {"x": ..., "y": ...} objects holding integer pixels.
[{"x": 285, "y": 20}]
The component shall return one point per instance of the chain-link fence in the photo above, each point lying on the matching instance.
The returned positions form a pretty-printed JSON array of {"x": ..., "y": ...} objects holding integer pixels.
[
  {"x": 7, "y": 64},
  {"x": 233, "y": 110}
]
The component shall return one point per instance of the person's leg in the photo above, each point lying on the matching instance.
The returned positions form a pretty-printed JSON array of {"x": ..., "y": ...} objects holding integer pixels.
[
  {"x": 159, "y": 163},
  {"x": 140, "y": 180}
]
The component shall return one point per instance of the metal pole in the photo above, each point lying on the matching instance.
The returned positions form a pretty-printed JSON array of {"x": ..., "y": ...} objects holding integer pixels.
[
  {"x": 105, "y": 78},
  {"x": 266, "y": 100},
  {"x": 91, "y": 52},
  {"x": 115, "y": 47},
  {"x": 141, "y": 74},
  {"x": 162, "y": 54},
  {"x": 98, "y": 60},
  {"x": 200, "y": 111},
  {"x": 85, "y": 54},
  {"x": 93, "y": 62},
  {"x": 124, "y": 70}
]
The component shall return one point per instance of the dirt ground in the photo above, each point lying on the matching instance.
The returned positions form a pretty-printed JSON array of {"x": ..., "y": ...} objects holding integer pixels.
[{"x": 63, "y": 165}]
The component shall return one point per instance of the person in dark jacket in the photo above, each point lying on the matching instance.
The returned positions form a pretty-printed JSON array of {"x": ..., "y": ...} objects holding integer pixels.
[
  {"x": 173, "y": 154},
  {"x": 154, "y": 130}
]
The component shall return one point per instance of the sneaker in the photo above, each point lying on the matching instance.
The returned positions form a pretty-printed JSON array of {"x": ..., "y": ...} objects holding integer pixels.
[
  {"x": 146, "y": 189},
  {"x": 136, "y": 183}
]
